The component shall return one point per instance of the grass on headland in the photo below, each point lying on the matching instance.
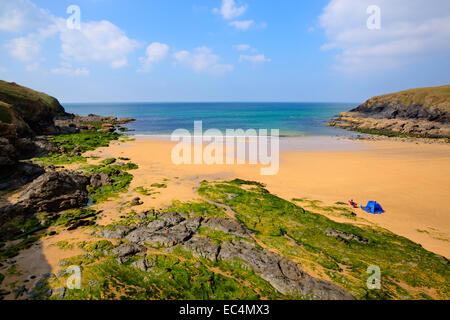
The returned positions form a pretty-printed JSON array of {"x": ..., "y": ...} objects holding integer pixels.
[{"x": 5, "y": 113}]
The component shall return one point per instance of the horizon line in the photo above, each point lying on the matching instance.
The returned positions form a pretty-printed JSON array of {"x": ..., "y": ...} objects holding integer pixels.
[{"x": 176, "y": 102}]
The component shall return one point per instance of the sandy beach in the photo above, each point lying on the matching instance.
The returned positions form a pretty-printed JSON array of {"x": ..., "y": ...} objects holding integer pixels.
[{"x": 409, "y": 179}]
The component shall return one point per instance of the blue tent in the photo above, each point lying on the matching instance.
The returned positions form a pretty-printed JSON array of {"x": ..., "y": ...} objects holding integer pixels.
[{"x": 373, "y": 207}]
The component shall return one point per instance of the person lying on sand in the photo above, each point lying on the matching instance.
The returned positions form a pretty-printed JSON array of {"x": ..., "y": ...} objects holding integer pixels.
[{"x": 353, "y": 204}]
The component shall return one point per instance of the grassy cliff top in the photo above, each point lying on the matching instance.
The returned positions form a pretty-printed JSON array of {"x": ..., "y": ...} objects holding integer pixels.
[
  {"x": 5, "y": 114},
  {"x": 428, "y": 97},
  {"x": 14, "y": 94}
]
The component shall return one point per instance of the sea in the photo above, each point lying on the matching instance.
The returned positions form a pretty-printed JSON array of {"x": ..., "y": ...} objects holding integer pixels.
[{"x": 161, "y": 119}]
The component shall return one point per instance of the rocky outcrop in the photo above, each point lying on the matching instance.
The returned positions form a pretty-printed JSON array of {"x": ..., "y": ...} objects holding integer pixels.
[
  {"x": 14, "y": 176},
  {"x": 203, "y": 248},
  {"x": 172, "y": 229},
  {"x": 51, "y": 192},
  {"x": 24, "y": 113},
  {"x": 283, "y": 274},
  {"x": 423, "y": 112},
  {"x": 92, "y": 121},
  {"x": 118, "y": 233},
  {"x": 100, "y": 179},
  {"x": 225, "y": 225},
  {"x": 129, "y": 249},
  {"x": 164, "y": 233}
]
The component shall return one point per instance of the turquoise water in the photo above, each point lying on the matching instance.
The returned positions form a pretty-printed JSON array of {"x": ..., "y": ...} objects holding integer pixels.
[{"x": 292, "y": 119}]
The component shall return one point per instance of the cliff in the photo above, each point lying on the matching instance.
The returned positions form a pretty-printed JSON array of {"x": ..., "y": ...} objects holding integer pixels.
[
  {"x": 31, "y": 112},
  {"x": 422, "y": 112},
  {"x": 24, "y": 113}
]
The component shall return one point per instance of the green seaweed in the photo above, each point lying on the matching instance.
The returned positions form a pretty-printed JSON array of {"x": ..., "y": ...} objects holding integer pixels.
[
  {"x": 83, "y": 141},
  {"x": 283, "y": 225}
]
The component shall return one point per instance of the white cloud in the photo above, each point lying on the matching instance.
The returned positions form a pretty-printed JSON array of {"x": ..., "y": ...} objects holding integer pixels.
[
  {"x": 97, "y": 41},
  {"x": 28, "y": 48},
  {"x": 410, "y": 31},
  {"x": 22, "y": 15},
  {"x": 68, "y": 70},
  {"x": 24, "y": 48},
  {"x": 229, "y": 10},
  {"x": 242, "y": 25},
  {"x": 260, "y": 58},
  {"x": 242, "y": 47},
  {"x": 155, "y": 52},
  {"x": 202, "y": 60}
]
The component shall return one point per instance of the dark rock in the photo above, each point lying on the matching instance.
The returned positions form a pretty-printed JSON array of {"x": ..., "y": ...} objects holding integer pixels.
[
  {"x": 284, "y": 275},
  {"x": 136, "y": 202},
  {"x": 129, "y": 249},
  {"x": 172, "y": 218},
  {"x": 345, "y": 236},
  {"x": 51, "y": 192},
  {"x": 17, "y": 175},
  {"x": 202, "y": 247},
  {"x": 100, "y": 179},
  {"x": 119, "y": 233},
  {"x": 422, "y": 112},
  {"x": 76, "y": 122},
  {"x": 56, "y": 191},
  {"x": 80, "y": 223},
  {"x": 228, "y": 226},
  {"x": 163, "y": 234},
  {"x": 8, "y": 153},
  {"x": 43, "y": 147},
  {"x": 189, "y": 225},
  {"x": 108, "y": 127},
  {"x": 157, "y": 225}
]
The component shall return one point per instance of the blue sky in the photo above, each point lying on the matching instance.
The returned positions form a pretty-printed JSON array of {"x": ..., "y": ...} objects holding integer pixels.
[{"x": 224, "y": 50}]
